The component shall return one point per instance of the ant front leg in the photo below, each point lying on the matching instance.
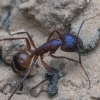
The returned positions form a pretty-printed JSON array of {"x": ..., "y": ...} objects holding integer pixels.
[
  {"x": 82, "y": 66},
  {"x": 55, "y": 31},
  {"x": 44, "y": 64}
]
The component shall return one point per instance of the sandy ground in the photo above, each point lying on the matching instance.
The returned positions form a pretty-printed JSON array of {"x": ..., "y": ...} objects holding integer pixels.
[{"x": 73, "y": 86}]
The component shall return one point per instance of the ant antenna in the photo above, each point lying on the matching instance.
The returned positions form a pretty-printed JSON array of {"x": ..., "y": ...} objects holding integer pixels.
[{"x": 83, "y": 23}]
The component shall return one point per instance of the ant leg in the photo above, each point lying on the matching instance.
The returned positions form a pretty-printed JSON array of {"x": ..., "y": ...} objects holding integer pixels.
[
  {"x": 27, "y": 42},
  {"x": 38, "y": 85},
  {"x": 27, "y": 73},
  {"x": 45, "y": 65},
  {"x": 48, "y": 68},
  {"x": 72, "y": 60},
  {"x": 82, "y": 66},
  {"x": 79, "y": 54},
  {"x": 51, "y": 54},
  {"x": 30, "y": 38},
  {"x": 52, "y": 34},
  {"x": 83, "y": 23}
]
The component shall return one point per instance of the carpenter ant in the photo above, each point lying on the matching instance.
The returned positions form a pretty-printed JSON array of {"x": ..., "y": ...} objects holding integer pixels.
[{"x": 24, "y": 61}]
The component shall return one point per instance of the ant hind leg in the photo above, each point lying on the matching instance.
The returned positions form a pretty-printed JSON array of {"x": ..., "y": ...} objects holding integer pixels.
[
  {"x": 29, "y": 37},
  {"x": 27, "y": 42}
]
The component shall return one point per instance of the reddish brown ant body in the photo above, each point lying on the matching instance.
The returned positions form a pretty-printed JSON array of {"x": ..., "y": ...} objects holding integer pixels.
[{"x": 24, "y": 61}]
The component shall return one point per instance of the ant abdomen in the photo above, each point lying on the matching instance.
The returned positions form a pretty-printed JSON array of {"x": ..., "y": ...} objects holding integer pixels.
[{"x": 20, "y": 62}]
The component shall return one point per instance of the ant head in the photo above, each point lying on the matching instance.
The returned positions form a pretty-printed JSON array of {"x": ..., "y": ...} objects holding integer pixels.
[{"x": 70, "y": 43}]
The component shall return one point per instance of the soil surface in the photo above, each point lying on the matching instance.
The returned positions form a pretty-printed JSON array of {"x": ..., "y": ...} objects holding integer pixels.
[{"x": 73, "y": 83}]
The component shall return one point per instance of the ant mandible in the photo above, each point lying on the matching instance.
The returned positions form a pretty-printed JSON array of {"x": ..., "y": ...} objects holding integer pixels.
[{"x": 24, "y": 61}]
